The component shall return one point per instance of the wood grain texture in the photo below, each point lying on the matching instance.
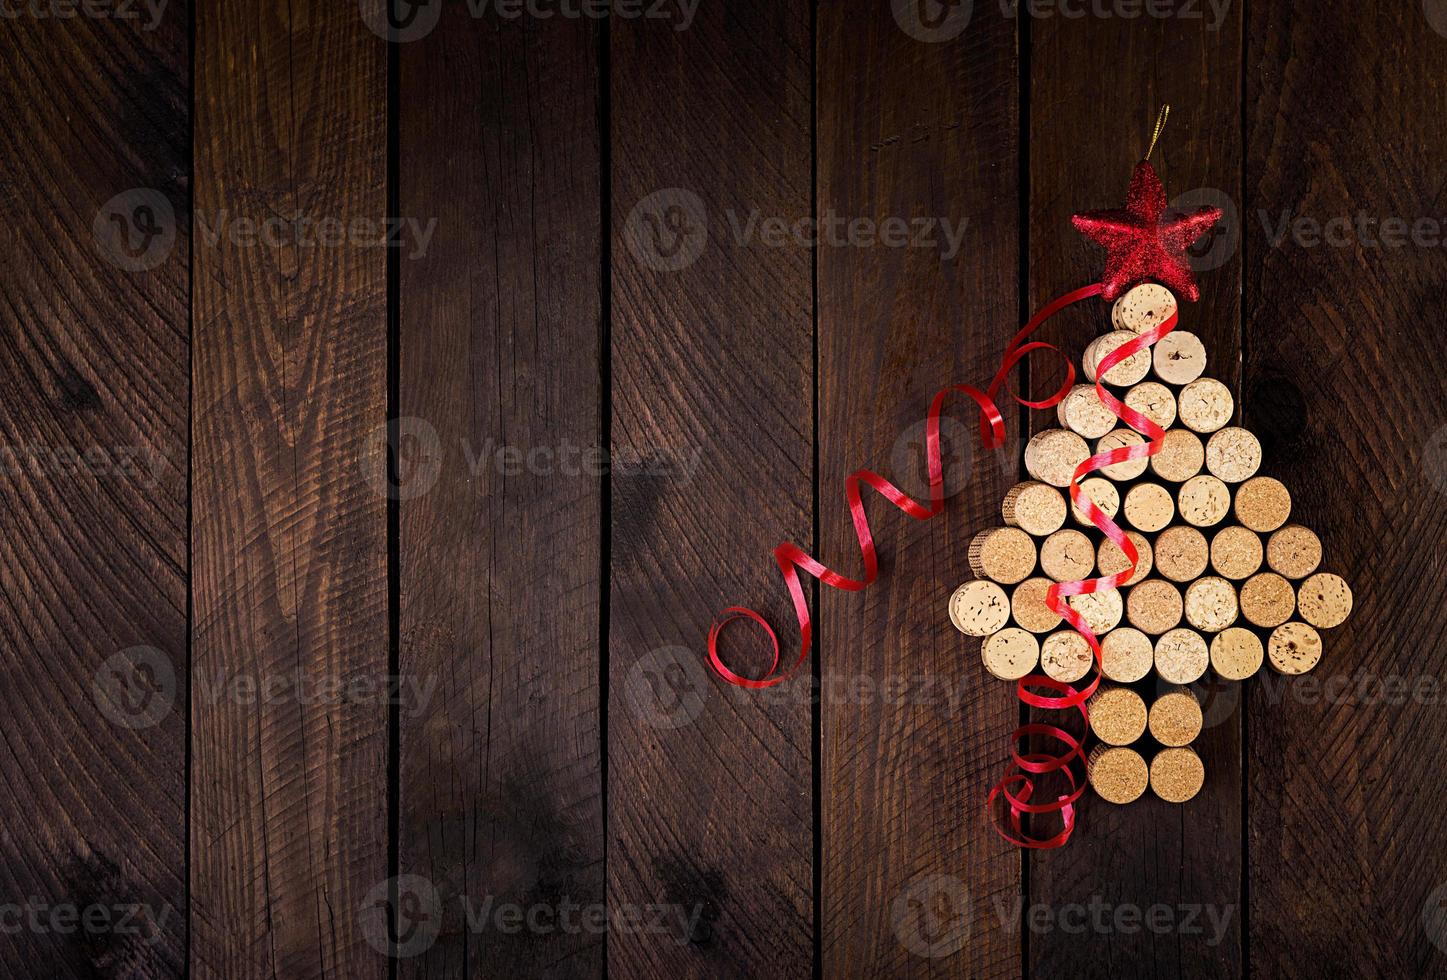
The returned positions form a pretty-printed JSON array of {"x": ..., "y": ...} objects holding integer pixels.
[
  {"x": 1086, "y": 136},
  {"x": 912, "y": 129},
  {"x": 501, "y": 486},
  {"x": 1345, "y": 386},
  {"x": 709, "y": 799},
  {"x": 289, "y": 796},
  {"x": 93, "y": 353}
]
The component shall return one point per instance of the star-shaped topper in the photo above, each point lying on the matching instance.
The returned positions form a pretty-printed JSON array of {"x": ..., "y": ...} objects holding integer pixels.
[{"x": 1143, "y": 242}]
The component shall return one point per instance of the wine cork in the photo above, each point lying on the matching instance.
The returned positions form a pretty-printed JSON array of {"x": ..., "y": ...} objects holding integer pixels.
[
  {"x": 1294, "y": 648},
  {"x": 1182, "y": 656},
  {"x": 1180, "y": 357},
  {"x": 1118, "y": 774},
  {"x": 1010, "y": 654},
  {"x": 1263, "y": 504},
  {"x": 1067, "y": 556},
  {"x": 1180, "y": 457},
  {"x": 1103, "y": 493},
  {"x": 1082, "y": 412},
  {"x": 1002, "y": 554},
  {"x": 1129, "y": 371},
  {"x": 1035, "y": 508},
  {"x": 1175, "y": 717},
  {"x": 1149, "y": 507},
  {"x": 1182, "y": 553},
  {"x": 1101, "y": 610},
  {"x": 1154, "y": 606},
  {"x": 1052, "y": 456},
  {"x": 979, "y": 608},
  {"x": 1236, "y": 653},
  {"x": 1028, "y": 605},
  {"x": 1111, "y": 560},
  {"x": 1177, "y": 774},
  {"x": 1267, "y": 599},
  {"x": 1211, "y": 604},
  {"x": 1126, "y": 655},
  {"x": 1131, "y": 468},
  {"x": 1205, "y": 405},
  {"x": 1293, "y": 551},
  {"x": 1153, "y": 400},
  {"x": 1326, "y": 600},
  {"x": 1204, "y": 501},
  {"x": 1143, "y": 308},
  {"x": 1065, "y": 656},
  {"x": 1233, "y": 454},
  {"x": 1117, "y": 715},
  {"x": 1236, "y": 552}
]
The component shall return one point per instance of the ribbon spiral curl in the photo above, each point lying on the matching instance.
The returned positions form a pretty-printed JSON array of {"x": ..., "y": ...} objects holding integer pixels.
[{"x": 791, "y": 559}]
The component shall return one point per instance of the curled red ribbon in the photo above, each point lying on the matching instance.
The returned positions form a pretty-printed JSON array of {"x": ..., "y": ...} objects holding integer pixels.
[{"x": 791, "y": 558}]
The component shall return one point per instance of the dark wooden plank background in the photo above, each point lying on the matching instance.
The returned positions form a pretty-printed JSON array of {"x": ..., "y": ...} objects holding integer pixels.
[
  {"x": 487, "y": 479},
  {"x": 499, "y": 348}
]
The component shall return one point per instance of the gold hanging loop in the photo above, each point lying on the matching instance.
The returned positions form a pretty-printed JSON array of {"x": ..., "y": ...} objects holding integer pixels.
[{"x": 1160, "y": 125}]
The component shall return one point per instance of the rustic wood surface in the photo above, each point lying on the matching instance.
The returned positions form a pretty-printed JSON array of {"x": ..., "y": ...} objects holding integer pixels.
[
  {"x": 357, "y": 574},
  {"x": 94, "y": 193},
  {"x": 499, "y": 344},
  {"x": 289, "y": 810}
]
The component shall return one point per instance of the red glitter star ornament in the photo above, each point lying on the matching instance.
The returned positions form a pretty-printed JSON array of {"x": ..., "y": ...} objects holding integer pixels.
[{"x": 1143, "y": 241}]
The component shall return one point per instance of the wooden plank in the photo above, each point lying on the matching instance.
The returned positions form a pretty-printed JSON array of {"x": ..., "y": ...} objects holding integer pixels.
[
  {"x": 1344, "y": 382},
  {"x": 709, "y": 799},
  {"x": 94, "y": 193},
  {"x": 917, "y": 121},
  {"x": 289, "y": 792},
  {"x": 500, "y": 509},
  {"x": 1084, "y": 140}
]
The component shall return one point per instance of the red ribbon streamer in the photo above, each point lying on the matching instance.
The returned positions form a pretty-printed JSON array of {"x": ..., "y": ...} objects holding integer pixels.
[{"x": 791, "y": 559}]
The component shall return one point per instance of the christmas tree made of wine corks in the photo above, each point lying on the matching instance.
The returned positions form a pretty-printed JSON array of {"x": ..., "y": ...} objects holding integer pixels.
[{"x": 1225, "y": 582}]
